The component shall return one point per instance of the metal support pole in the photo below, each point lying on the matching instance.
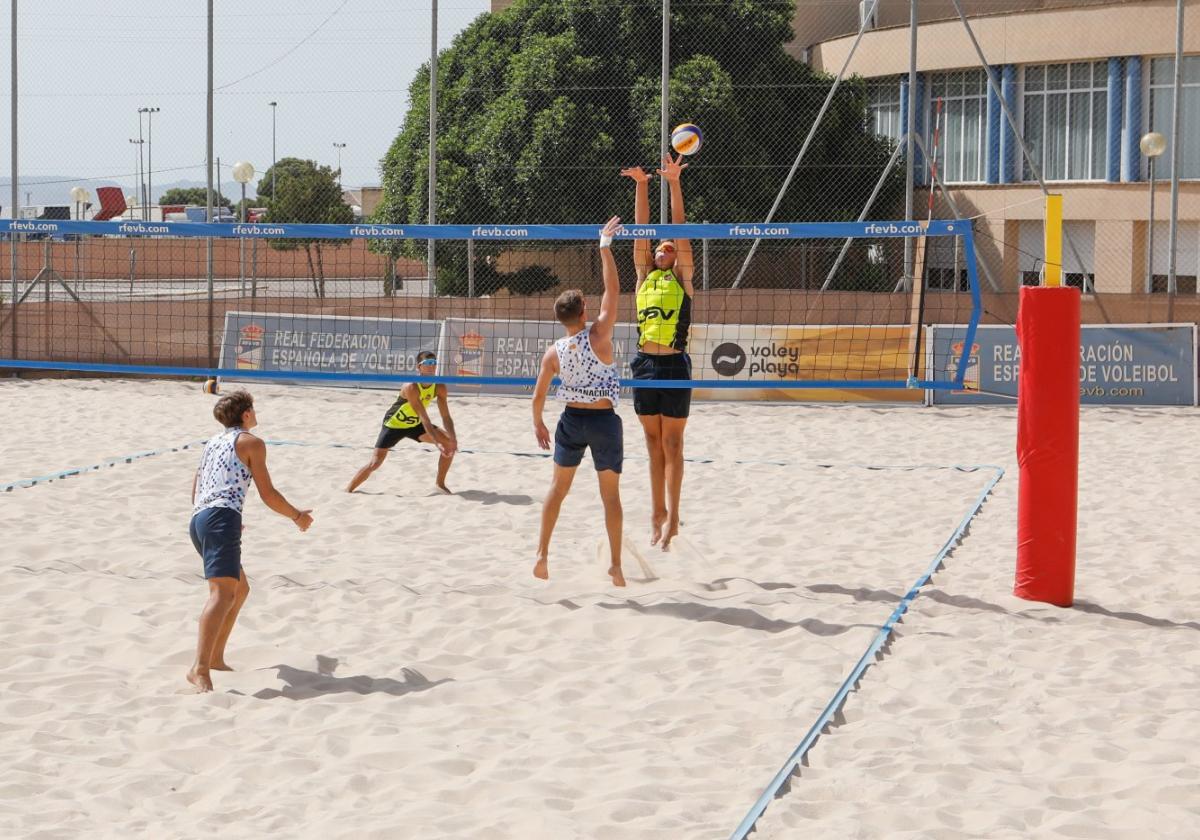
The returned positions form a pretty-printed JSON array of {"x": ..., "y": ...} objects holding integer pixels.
[
  {"x": 431, "y": 258},
  {"x": 812, "y": 132},
  {"x": 273, "y": 106},
  {"x": 910, "y": 169},
  {"x": 141, "y": 167},
  {"x": 208, "y": 171},
  {"x": 1176, "y": 151},
  {"x": 665, "y": 97},
  {"x": 1034, "y": 169},
  {"x": 470, "y": 268},
  {"x": 704, "y": 263},
  {"x": 242, "y": 247},
  {"x": 1150, "y": 236},
  {"x": 16, "y": 190}
]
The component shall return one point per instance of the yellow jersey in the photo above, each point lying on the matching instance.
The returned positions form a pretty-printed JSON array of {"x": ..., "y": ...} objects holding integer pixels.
[
  {"x": 402, "y": 415},
  {"x": 664, "y": 310}
]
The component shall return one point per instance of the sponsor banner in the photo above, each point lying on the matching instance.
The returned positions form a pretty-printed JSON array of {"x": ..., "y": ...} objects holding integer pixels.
[
  {"x": 1119, "y": 364},
  {"x": 725, "y": 230},
  {"x": 774, "y": 353},
  {"x": 283, "y": 343},
  {"x": 513, "y": 348}
]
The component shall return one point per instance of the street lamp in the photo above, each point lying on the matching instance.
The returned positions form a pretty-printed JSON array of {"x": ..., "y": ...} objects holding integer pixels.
[
  {"x": 272, "y": 104},
  {"x": 149, "y": 112},
  {"x": 138, "y": 165},
  {"x": 81, "y": 197},
  {"x": 339, "y": 147},
  {"x": 243, "y": 171},
  {"x": 1152, "y": 145}
]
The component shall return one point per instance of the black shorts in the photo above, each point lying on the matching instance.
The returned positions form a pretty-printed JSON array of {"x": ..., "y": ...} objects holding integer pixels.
[
  {"x": 596, "y": 428},
  {"x": 669, "y": 402},
  {"x": 389, "y": 437}
]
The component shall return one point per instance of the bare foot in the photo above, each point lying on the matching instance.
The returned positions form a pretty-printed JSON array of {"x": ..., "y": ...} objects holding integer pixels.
[
  {"x": 672, "y": 531},
  {"x": 657, "y": 520},
  {"x": 541, "y": 569},
  {"x": 443, "y": 489},
  {"x": 220, "y": 666},
  {"x": 618, "y": 578},
  {"x": 200, "y": 679}
]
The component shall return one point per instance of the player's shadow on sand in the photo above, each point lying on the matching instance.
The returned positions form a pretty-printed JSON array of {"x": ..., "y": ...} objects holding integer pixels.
[
  {"x": 967, "y": 602},
  {"x": 736, "y": 617},
  {"x": 486, "y": 497},
  {"x": 305, "y": 685}
]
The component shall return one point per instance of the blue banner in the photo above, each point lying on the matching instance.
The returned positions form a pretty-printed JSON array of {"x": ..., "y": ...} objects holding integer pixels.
[
  {"x": 1119, "y": 365},
  {"x": 257, "y": 343},
  {"x": 502, "y": 233}
]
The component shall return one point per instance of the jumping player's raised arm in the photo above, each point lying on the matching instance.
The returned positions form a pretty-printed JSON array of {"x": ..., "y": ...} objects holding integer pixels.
[
  {"x": 643, "y": 255},
  {"x": 602, "y": 327},
  {"x": 545, "y": 375},
  {"x": 684, "y": 263}
]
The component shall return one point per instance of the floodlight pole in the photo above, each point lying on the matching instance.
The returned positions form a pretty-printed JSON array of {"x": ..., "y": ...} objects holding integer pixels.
[
  {"x": 208, "y": 172},
  {"x": 16, "y": 190},
  {"x": 1172, "y": 236},
  {"x": 665, "y": 97},
  {"x": 910, "y": 143},
  {"x": 432, "y": 251}
]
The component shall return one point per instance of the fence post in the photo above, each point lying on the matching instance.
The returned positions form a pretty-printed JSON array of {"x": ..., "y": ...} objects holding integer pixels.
[{"x": 704, "y": 263}]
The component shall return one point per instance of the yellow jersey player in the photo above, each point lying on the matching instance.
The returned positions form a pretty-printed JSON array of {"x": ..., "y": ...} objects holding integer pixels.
[
  {"x": 664, "y": 313},
  {"x": 408, "y": 419}
]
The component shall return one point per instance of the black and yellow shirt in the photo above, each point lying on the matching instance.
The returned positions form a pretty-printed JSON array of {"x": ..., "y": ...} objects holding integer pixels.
[
  {"x": 402, "y": 415},
  {"x": 664, "y": 311}
]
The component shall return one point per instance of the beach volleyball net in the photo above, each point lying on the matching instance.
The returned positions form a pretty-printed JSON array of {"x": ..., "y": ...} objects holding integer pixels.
[{"x": 777, "y": 307}]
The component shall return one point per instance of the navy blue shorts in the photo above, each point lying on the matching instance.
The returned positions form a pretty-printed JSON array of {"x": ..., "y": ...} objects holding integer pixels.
[
  {"x": 596, "y": 428},
  {"x": 217, "y": 535},
  {"x": 669, "y": 402}
]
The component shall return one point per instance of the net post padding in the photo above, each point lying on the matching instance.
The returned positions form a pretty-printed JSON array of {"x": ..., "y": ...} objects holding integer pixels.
[{"x": 1048, "y": 333}]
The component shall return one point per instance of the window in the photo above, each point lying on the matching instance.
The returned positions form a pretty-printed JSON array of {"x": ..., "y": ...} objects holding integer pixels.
[
  {"x": 1066, "y": 120},
  {"x": 1162, "y": 103},
  {"x": 1187, "y": 257},
  {"x": 945, "y": 265},
  {"x": 883, "y": 107},
  {"x": 1079, "y": 240},
  {"x": 961, "y": 132},
  {"x": 962, "y": 137}
]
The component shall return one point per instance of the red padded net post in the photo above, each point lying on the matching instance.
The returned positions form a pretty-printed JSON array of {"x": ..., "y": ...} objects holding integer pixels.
[{"x": 1047, "y": 443}]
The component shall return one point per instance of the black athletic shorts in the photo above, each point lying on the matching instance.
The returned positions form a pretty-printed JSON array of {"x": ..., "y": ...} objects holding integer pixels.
[
  {"x": 596, "y": 428},
  {"x": 389, "y": 437},
  {"x": 669, "y": 402}
]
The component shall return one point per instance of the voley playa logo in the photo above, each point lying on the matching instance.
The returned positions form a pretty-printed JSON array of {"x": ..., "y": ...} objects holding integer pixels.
[{"x": 728, "y": 359}]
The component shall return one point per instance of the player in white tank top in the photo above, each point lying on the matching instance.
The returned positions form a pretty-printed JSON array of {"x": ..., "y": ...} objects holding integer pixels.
[
  {"x": 584, "y": 360},
  {"x": 229, "y": 462}
]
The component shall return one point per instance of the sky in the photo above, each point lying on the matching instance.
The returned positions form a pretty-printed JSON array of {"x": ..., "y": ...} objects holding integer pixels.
[{"x": 339, "y": 69}]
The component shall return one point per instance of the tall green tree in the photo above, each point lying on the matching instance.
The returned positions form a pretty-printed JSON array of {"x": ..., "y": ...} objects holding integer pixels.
[
  {"x": 194, "y": 197},
  {"x": 306, "y": 193},
  {"x": 540, "y": 105}
]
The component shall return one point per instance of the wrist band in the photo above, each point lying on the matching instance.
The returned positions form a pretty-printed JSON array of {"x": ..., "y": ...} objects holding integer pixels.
[{"x": 605, "y": 240}]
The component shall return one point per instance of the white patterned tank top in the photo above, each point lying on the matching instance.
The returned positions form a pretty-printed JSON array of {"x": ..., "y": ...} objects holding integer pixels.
[
  {"x": 223, "y": 477},
  {"x": 584, "y": 378}
]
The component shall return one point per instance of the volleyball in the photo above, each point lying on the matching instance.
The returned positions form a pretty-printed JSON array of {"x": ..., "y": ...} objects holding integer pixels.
[
  {"x": 686, "y": 139},
  {"x": 211, "y": 386}
]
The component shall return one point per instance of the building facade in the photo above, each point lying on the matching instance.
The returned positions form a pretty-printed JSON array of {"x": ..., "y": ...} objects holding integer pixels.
[{"x": 1083, "y": 80}]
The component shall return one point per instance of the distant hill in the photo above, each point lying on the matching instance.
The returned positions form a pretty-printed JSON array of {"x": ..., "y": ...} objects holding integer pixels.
[{"x": 56, "y": 189}]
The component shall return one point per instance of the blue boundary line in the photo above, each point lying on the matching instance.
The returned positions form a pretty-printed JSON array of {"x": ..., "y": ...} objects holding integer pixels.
[
  {"x": 323, "y": 376},
  {"x": 881, "y": 638},
  {"x": 111, "y": 462}
]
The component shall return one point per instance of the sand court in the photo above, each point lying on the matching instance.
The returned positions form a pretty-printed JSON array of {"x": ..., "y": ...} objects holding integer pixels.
[{"x": 401, "y": 673}]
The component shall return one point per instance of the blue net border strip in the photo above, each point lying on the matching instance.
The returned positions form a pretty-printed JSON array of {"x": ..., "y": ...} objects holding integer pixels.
[
  {"x": 502, "y": 233},
  {"x": 317, "y": 377}
]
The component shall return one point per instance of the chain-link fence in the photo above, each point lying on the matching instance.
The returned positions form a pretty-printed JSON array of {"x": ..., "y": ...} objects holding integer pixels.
[{"x": 808, "y": 113}]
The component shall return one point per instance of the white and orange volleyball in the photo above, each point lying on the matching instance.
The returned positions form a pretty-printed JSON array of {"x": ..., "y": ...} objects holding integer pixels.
[{"x": 686, "y": 138}]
